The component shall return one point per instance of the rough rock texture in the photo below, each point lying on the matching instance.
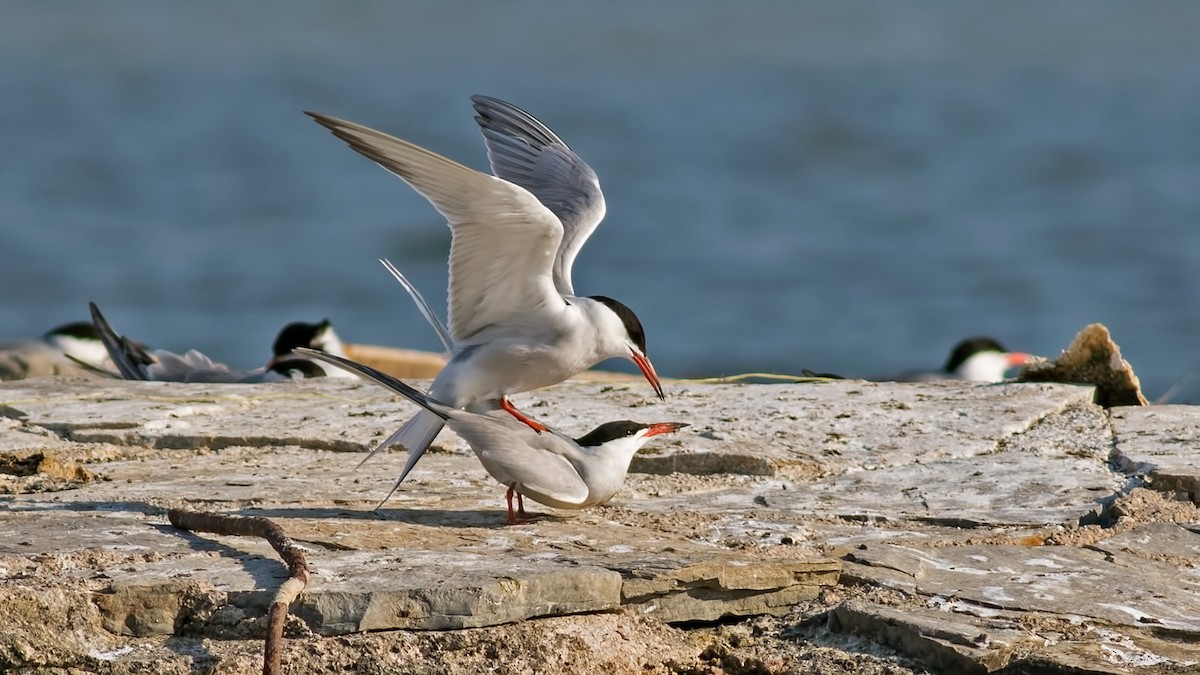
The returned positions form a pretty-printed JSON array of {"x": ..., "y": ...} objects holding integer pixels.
[
  {"x": 834, "y": 527},
  {"x": 1092, "y": 358}
]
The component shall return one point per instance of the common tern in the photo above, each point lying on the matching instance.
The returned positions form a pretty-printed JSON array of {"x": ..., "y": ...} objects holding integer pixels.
[
  {"x": 976, "y": 359},
  {"x": 550, "y": 468},
  {"x": 73, "y": 348},
  {"x": 134, "y": 362},
  {"x": 514, "y": 321}
]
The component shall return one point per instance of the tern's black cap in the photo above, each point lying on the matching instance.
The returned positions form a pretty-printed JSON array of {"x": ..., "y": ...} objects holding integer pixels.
[
  {"x": 298, "y": 334},
  {"x": 632, "y": 325},
  {"x": 77, "y": 329},
  {"x": 609, "y": 431},
  {"x": 970, "y": 347}
]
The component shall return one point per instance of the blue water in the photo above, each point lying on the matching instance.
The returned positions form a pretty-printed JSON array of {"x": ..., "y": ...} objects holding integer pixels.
[{"x": 839, "y": 186}]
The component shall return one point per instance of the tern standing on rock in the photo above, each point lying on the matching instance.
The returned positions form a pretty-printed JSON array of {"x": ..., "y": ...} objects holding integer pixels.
[
  {"x": 514, "y": 320},
  {"x": 550, "y": 468}
]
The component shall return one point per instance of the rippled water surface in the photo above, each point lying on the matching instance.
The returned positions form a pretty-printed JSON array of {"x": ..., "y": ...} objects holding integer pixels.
[{"x": 839, "y": 187}]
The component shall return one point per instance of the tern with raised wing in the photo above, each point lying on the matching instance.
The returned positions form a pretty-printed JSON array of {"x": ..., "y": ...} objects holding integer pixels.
[
  {"x": 135, "y": 362},
  {"x": 515, "y": 323},
  {"x": 550, "y": 468}
]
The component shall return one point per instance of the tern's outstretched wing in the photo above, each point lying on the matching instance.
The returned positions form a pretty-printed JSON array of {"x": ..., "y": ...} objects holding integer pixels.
[
  {"x": 504, "y": 241},
  {"x": 524, "y": 151}
]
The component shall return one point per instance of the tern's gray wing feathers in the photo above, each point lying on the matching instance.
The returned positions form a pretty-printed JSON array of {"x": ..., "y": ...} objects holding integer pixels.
[
  {"x": 437, "y": 410},
  {"x": 130, "y": 359},
  {"x": 504, "y": 241},
  {"x": 526, "y": 152},
  {"x": 191, "y": 366},
  {"x": 513, "y": 453}
]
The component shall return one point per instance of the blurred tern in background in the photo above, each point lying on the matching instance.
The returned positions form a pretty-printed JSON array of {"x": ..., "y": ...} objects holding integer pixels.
[
  {"x": 134, "y": 362},
  {"x": 550, "y": 468},
  {"x": 514, "y": 321},
  {"x": 69, "y": 349},
  {"x": 976, "y": 359}
]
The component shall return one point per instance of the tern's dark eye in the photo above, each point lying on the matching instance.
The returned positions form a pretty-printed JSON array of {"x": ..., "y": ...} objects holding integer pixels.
[{"x": 633, "y": 327}]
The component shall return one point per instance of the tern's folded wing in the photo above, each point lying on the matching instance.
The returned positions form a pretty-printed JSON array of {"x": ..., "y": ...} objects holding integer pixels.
[
  {"x": 509, "y": 452},
  {"x": 524, "y": 151},
  {"x": 504, "y": 240}
]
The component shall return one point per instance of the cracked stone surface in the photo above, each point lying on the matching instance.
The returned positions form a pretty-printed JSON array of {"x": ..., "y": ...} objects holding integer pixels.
[
  {"x": 873, "y": 527},
  {"x": 1163, "y": 443}
]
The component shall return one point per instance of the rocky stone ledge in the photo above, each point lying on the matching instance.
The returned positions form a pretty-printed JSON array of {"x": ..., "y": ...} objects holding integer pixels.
[{"x": 869, "y": 527}]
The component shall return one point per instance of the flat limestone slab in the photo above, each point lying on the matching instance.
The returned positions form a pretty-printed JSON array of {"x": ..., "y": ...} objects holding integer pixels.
[
  {"x": 1162, "y": 442},
  {"x": 327, "y": 415},
  {"x": 817, "y": 429},
  {"x": 1119, "y": 588},
  {"x": 795, "y": 430},
  {"x": 355, "y": 591},
  {"x": 1055, "y": 471},
  {"x": 451, "y": 563},
  {"x": 1131, "y": 600}
]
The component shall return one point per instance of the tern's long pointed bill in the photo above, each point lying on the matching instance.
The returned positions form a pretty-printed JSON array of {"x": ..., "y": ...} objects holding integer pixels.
[
  {"x": 647, "y": 369},
  {"x": 1017, "y": 359},
  {"x": 664, "y": 428}
]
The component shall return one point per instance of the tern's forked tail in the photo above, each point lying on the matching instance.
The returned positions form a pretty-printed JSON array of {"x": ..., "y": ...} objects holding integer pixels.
[{"x": 418, "y": 433}]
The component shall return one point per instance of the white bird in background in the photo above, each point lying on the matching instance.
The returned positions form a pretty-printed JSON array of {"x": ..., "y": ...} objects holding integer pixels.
[
  {"x": 135, "y": 362},
  {"x": 550, "y": 468},
  {"x": 975, "y": 359},
  {"x": 69, "y": 349},
  {"x": 514, "y": 322}
]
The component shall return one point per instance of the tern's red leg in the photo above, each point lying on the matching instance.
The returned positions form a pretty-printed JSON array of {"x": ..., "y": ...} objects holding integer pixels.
[
  {"x": 510, "y": 409},
  {"x": 520, "y": 505},
  {"x": 512, "y": 518}
]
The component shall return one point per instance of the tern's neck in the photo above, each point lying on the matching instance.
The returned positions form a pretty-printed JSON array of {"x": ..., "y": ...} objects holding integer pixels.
[
  {"x": 984, "y": 367},
  {"x": 329, "y": 342},
  {"x": 606, "y": 333},
  {"x": 89, "y": 351},
  {"x": 605, "y": 468}
]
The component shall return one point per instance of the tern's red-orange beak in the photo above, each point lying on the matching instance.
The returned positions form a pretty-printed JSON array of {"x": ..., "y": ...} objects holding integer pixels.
[
  {"x": 1017, "y": 359},
  {"x": 647, "y": 369},
  {"x": 664, "y": 428}
]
